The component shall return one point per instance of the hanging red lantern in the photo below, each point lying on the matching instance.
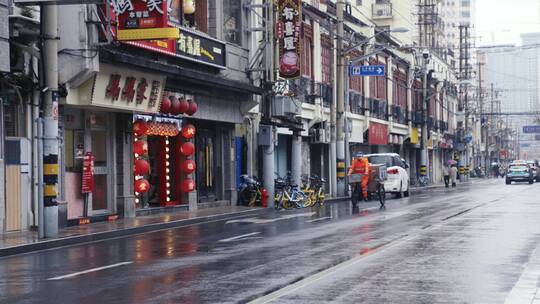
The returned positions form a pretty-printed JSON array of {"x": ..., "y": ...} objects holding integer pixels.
[
  {"x": 189, "y": 166},
  {"x": 175, "y": 106},
  {"x": 140, "y": 147},
  {"x": 142, "y": 185},
  {"x": 140, "y": 127},
  {"x": 141, "y": 167},
  {"x": 188, "y": 185},
  {"x": 187, "y": 148},
  {"x": 193, "y": 107},
  {"x": 165, "y": 106},
  {"x": 188, "y": 131},
  {"x": 184, "y": 106}
]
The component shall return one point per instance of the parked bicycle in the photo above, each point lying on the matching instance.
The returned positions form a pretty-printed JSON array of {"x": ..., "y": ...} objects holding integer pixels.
[
  {"x": 250, "y": 191},
  {"x": 314, "y": 189},
  {"x": 288, "y": 195}
]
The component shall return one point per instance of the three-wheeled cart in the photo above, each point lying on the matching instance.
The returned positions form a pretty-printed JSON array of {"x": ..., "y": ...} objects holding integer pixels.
[{"x": 377, "y": 177}]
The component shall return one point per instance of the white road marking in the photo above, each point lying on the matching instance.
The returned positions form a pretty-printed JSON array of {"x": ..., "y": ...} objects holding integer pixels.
[
  {"x": 319, "y": 219},
  {"x": 254, "y": 220},
  {"x": 238, "y": 237},
  {"x": 67, "y": 276}
]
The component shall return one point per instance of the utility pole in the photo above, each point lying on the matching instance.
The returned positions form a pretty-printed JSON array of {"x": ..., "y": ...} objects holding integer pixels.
[
  {"x": 340, "y": 85},
  {"x": 333, "y": 134},
  {"x": 424, "y": 159},
  {"x": 481, "y": 102},
  {"x": 270, "y": 60},
  {"x": 49, "y": 23}
]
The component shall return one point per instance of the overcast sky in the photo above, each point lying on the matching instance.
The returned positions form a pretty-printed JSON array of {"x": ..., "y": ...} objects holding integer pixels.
[{"x": 502, "y": 21}]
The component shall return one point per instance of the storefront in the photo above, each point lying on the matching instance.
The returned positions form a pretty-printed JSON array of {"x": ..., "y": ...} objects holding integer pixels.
[{"x": 96, "y": 129}]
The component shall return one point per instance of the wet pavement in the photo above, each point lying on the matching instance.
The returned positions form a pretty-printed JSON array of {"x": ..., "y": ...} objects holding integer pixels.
[{"x": 474, "y": 244}]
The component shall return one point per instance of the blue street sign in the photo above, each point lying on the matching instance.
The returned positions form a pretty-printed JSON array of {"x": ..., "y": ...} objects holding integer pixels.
[
  {"x": 367, "y": 70},
  {"x": 531, "y": 129}
]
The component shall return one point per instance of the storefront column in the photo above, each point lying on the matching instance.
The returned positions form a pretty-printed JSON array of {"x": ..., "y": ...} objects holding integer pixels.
[{"x": 296, "y": 159}]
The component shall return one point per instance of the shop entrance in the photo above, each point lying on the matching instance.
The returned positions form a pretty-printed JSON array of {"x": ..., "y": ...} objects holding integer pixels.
[
  {"x": 206, "y": 166},
  {"x": 87, "y": 131}
]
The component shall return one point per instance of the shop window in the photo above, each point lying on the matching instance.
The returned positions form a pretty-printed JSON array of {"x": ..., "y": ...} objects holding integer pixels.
[
  {"x": 232, "y": 21},
  {"x": 73, "y": 150},
  {"x": 190, "y": 13},
  {"x": 99, "y": 147}
]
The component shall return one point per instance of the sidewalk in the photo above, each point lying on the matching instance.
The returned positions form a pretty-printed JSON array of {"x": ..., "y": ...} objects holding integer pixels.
[{"x": 27, "y": 241}]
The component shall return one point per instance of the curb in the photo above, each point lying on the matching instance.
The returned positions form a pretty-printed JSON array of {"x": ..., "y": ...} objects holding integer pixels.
[{"x": 106, "y": 235}]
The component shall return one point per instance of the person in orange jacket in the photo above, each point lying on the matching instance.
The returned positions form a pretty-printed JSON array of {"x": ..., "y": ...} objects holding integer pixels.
[{"x": 360, "y": 165}]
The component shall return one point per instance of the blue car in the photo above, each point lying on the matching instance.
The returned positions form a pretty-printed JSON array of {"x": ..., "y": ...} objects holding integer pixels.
[{"x": 519, "y": 173}]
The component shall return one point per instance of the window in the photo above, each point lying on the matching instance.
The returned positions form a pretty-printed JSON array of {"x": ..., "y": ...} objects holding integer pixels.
[
  {"x": 326, "y": 53},
  {"x": 307, "y": 51},
  {"x": 465, "y": 14},
  {"x": 232, "y": 21},
  {"x": 356, "y": 83},
  {"x": 180, "y": 12},
  {"x": 378, "y": 85},
  {"x": 400, "y": 89}
]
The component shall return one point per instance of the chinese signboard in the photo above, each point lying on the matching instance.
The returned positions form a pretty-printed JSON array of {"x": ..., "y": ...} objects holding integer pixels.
[
  {"x": 120, "y": 88},
  {"x": 531, "y": 129},
  {"x": 142, "y": 20},
  {"x": 190, "y": 46},
  {"x": 289, "y": 23},
  {"x": 378, "y": 134},
  {"x": 88, "y": 173}
]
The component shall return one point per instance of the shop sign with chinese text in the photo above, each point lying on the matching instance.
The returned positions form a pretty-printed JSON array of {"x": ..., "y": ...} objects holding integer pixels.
[
  {"x": 378, "y": 134},
  {"x": 121, "y": 88},
  {"x": 289, "y": 22},
  {"x": 143, "y": 20},
  {"x": 189, "y": 45},
  {"x": 88, "y": 173}
]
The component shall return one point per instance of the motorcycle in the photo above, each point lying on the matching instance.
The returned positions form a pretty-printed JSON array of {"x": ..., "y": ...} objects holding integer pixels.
[{"x": 250, "y": 192}]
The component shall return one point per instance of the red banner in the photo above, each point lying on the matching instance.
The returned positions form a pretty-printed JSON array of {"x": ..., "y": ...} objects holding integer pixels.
[
  {"x": 88, "y": 173},
  {"x": 289, "y": 23},
  {"x": 378, "y": 134},
  {"x": 143, "y": 20}
]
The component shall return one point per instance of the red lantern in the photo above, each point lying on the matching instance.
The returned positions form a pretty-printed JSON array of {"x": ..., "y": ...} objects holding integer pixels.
[
  {"x": 188, "y": 131},
  {"x": 193, "y": 107},
  {"x": 140, "y": 147},
  {"x": 142, "y": 185},
  {"x": 189, "y": 166},
  {"x": 187, "y": 148},
  {"x": 188, "y": 185},
  {"x": 140, "y": 127},
  {"x": 175, "y": 106},
  {"x": 141, "y": 167},
  {"x": 165, "y": 106},
  {"x": 184, "y": 106}
]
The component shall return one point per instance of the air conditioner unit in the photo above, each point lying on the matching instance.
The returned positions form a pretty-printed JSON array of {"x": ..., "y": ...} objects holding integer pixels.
[{"x": 285, "y": 106}]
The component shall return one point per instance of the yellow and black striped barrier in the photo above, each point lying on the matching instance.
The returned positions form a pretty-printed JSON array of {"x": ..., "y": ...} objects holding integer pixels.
[
  {"x": 340, "y": 168},
  {"x": 50, "y": 179},
  {"x": 423, "y": 170}
]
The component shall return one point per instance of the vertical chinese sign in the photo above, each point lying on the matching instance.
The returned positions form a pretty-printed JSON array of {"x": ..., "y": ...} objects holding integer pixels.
[
  {"x": 143, "y": 20},
  {"x": 289, "y": 22}
]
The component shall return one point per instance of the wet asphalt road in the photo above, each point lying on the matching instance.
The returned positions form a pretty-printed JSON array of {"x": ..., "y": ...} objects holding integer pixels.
[{"x": 473, "y": 244}]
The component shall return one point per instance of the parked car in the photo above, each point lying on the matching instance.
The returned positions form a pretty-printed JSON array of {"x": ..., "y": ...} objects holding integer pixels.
[
  {"x": 398, "y": 181},
  {"x": 519, "y": 172},
  {"x": 535, "y": 170}
]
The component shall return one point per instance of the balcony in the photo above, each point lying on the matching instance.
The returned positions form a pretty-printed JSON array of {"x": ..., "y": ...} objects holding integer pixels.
[{"x": 381, "y": 9}]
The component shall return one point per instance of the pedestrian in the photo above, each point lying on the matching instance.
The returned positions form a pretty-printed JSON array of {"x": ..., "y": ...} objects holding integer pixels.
[
  {"x": 446, "y": 175},
  {"x": 453, "y": 175}
]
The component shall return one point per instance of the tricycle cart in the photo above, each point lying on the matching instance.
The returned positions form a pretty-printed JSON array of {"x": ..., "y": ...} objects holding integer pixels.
[{"x": 377, "y": 177}]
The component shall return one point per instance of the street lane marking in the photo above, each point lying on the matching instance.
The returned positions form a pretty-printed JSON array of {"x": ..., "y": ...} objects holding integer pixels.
[
  {"x": 238, "y": 237},
  {"x": 254, "y": 220},
  {"x": 67, "y": 276},
  {"x": 319, "y": 219}
]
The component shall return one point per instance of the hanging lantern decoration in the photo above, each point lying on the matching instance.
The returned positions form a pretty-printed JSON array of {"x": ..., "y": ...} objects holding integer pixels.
[
  {"x": 140, "y": 127},
  {"x": 140, "y": 147},
  {"x": 188, "y": 185},
  {"x": 165, "y": 106},
  {"x": 141, "y": 167},
  {"x": 184, "y": 106},
  {"x": 193, "y": 107},
  {"x": 189, "y": 166},
  {"x": 188, "y": 7},
  {"x": 187, "y": 148},
  {"x": 142, "y": 185},
  {"x": 188, "y": 131},
  {"x": 175, "y": 106}
]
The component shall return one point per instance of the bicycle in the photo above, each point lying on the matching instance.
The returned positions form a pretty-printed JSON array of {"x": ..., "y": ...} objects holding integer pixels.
[
  {"x": 287, "y": 195},
  {"x": 423, "y": 180},
  {"x": 250, "y": 193},
  {"x": 314, "y": 190}
]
